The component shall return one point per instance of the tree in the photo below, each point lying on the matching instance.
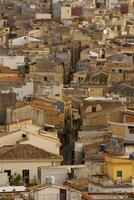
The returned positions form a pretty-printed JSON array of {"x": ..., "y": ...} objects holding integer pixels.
[{"x": 16, "y": 179}]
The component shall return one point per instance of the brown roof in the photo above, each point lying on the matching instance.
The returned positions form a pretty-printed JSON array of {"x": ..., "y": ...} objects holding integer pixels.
[
  {"x": 11, "y": 78},
  {"x": 7, "y": 70},
  {"x": 44, "y": 106},
  {"x": 25, "y": 152}
]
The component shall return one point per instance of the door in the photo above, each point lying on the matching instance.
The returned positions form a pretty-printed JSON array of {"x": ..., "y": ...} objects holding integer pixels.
[
  {"x": 63, "y": 195},
  {"x": 25, "y": 176}
]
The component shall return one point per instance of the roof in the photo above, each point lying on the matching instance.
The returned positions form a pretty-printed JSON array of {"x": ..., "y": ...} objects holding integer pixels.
[
  {"x": 102, "y": 98},
  {"x": 5, "y": 189},
  {"x": 25, "y": 152},
  {"x": 44, "y": 186},
  {"x": 44, "y": 106},
  {"x": 11, "y": 78},
  {"x": 24, "y": 40},
  {"x": 45, "y": 65},
  {"x": 7, "y": 70}
]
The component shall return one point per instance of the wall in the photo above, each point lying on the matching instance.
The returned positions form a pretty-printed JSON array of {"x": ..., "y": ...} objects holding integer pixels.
[
  {"x": 118, "y": 130},
  {"x": 45, "y": 143},
  {"x": 66, "y": 13},
  {"x": 19, "y": 113},
  {"x": 18, "y": 166},
  {"x": 54, "y": 193},
  {"x": 129, "y": 149},
  {"x": 60, "y": 174},
  {"x": 95, "y": 91},
  {"x": 12, "y": 61},
  {"x": 48, "y": 194},
  {"x": 6, "y": 100},
  {"x": 101, "y": 118},
  {"x": 11, "y": 138},
  {"x": 114, "y": 165},
  {"x": 23, "y": 91}
]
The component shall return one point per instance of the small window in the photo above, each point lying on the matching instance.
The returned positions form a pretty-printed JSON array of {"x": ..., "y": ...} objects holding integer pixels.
[
  {"x": 24, "y": 136},
  {"x": 8, "y": 172},
  {"x": 119, "y": 173},
  {"x": 57, "y": 95},
  {"x": 120, "y": 71},
  {"x": 93, "y": 109},
  {"x": 131, "y": 130},
  {"x": 45, "y": 78}
]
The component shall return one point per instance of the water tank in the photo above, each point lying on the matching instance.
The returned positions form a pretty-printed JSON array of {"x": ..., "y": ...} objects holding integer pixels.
[{"x": 50, "y": 180}]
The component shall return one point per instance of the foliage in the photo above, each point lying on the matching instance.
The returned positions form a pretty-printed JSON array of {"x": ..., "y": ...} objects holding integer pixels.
[{"x": 16, "y": 179}]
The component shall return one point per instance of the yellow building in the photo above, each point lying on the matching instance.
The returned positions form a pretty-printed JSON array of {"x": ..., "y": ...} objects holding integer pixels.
[{"x": 119, "y": 168}]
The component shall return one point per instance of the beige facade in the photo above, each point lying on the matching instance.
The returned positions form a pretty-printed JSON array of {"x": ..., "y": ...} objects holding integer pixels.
[
  {"x": 17, "y": 166},
  {"x": 66, "y": 12}
]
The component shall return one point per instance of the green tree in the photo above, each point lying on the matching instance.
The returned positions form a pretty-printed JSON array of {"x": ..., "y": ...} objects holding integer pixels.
[{"x": 16, "y": 179}]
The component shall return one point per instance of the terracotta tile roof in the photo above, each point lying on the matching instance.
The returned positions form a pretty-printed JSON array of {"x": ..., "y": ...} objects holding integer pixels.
[
  {"x": 11, "y": 79},
  {"x": 78, "y": 184},
  {"x": 94, "y": 145},
  {"x": 5, "y": 70},
  {"x": 21, "y": 120},
  {"x": 26, "y": 152},
  {"x": 44, "y": 106}
]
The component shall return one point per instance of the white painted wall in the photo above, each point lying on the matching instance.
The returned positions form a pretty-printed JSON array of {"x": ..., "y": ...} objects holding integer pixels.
[
  {"x": 66, "y": 12},
  {"x": 110, "y": 4},
  {"x": 53, "y": 193},
  {"x": 2, "y": 22},
  {"x": 52, "y": 91},
  {"x": 18, "y": 166},
  {"x": 12, "y": 61},
  {"x": 48, "y": 193},
  {"x": 43, "y": 16},
  {"x": 23, "y": 91},
  {"x": 11, "y": 138},
  {"x": 129, "y": 149},
  {"x": 44, "y": 143},
  {"x": 96, "y": 188}
]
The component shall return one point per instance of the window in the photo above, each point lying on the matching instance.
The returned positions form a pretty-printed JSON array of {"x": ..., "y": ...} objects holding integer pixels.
[
  {"x": 119, "y": 173},
  {"x": 93, "y": 109},
  {"x": 25, "y": 176},
  {"x": 8, "y": 172},
  {"x": 57, "y": 95},
  {"x": 63, "y": 194},
  {"x": 24, "y": 136},
  {"x": 120, "y": 70},
  {"x": 131, "y": 130},
  {"x": 45, "y": 78}
]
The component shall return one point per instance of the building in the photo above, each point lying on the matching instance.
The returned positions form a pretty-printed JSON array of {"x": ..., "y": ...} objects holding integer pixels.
[
  {"x": 66, "y": 12},
  {"x": 102, "y": 110},
  {"x": 57, "y": 192},
  {"x": 25, "y": 159},
  {"x": 6, "y": 100},
  {"x": 75, "y": 54},
  {"x": 119, "y": 169}
]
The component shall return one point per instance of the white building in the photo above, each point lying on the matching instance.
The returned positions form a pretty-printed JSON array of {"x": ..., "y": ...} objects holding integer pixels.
[
  {"x": 25, "y": 159},
  {"x": 23, "y": 40},
  {"x": 55, "y": 192},
  {"x": 25, "y": 133},
  {"x": 111, "y": 4}
]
